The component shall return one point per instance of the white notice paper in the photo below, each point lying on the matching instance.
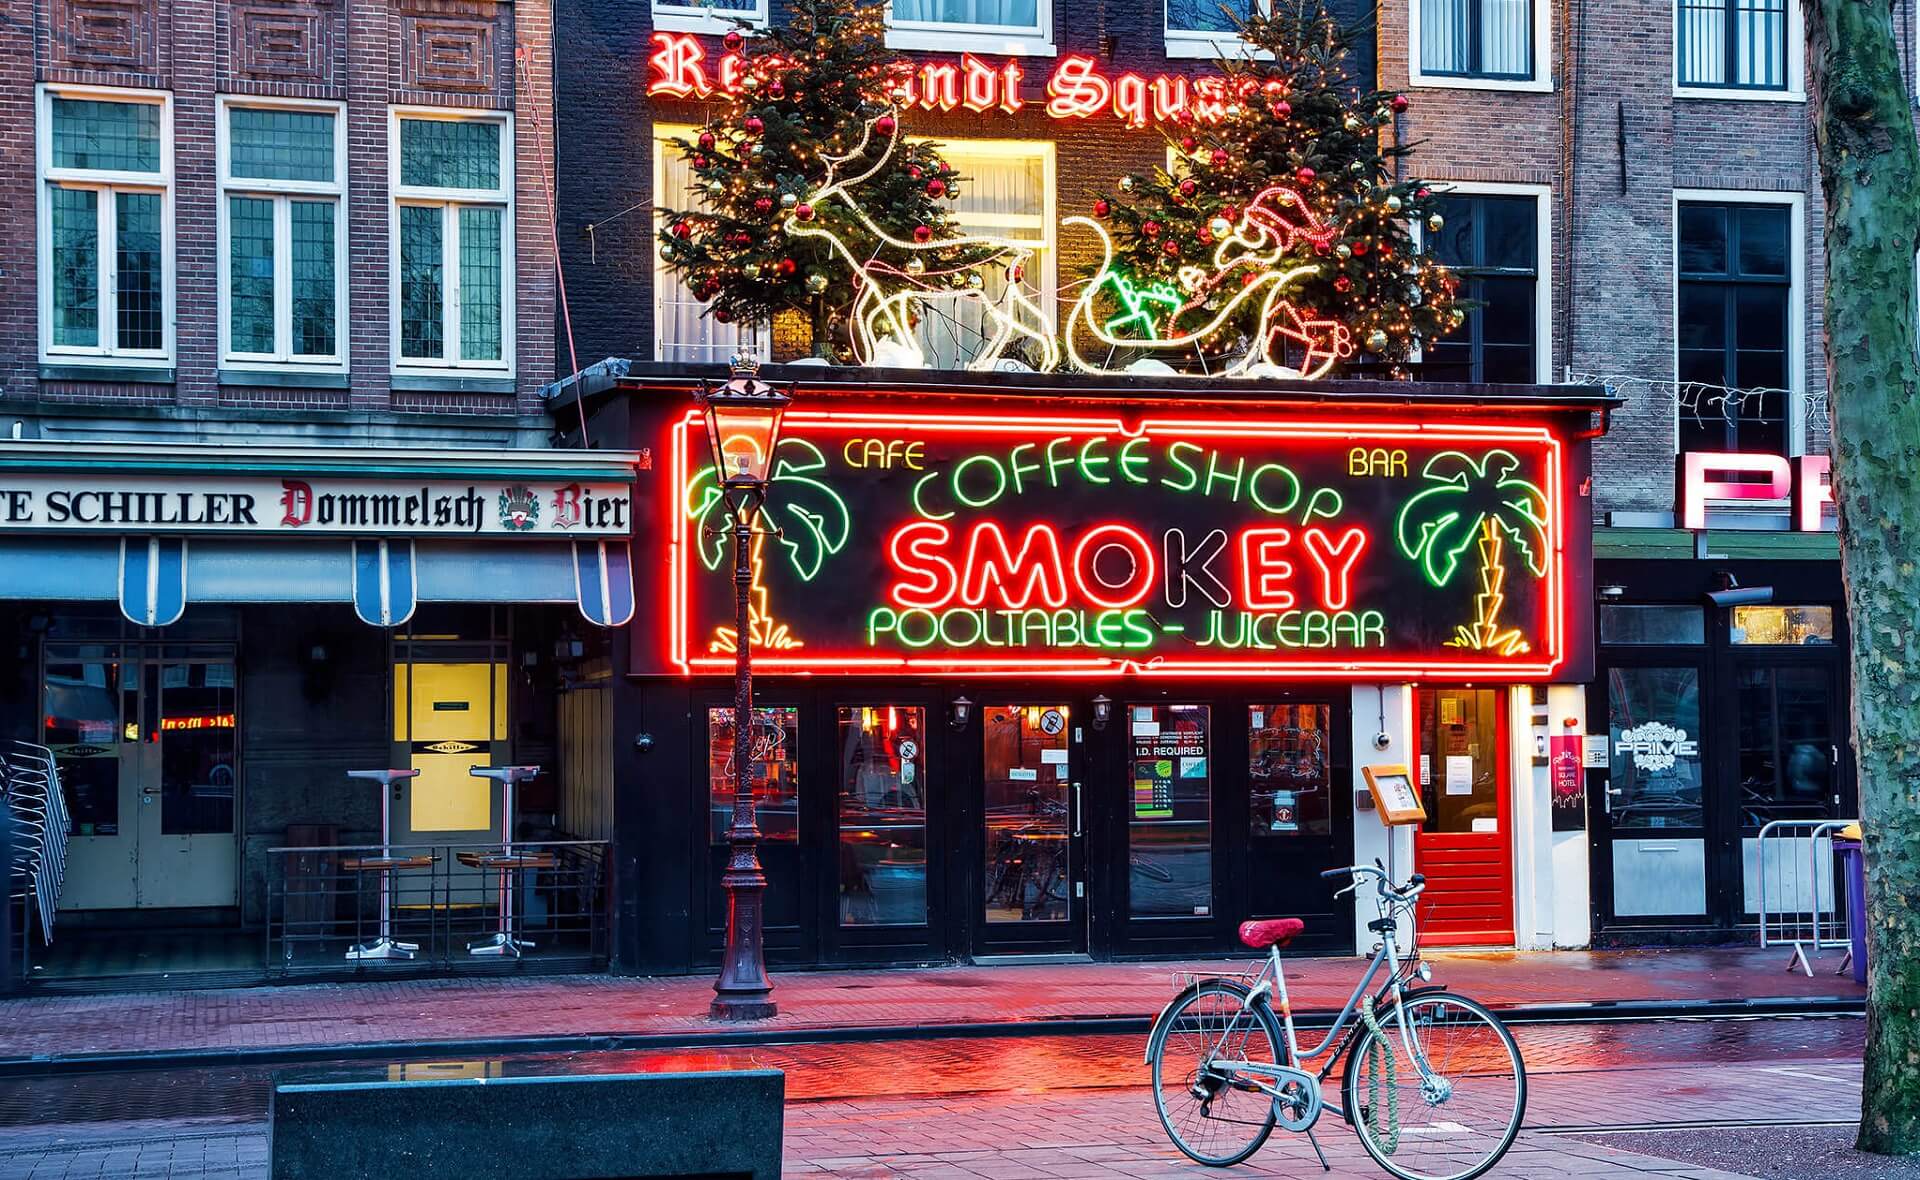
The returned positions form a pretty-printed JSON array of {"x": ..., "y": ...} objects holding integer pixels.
[
  {"x": 1426, "y": 770},
  {"x": 1486, "y": 825},
  {"x": 1023, "y": 774},
  {"x": 1146, "y": 729},
  {"x": 1595, "y": 748},
  {"x": 1459, "y": 774},
  {"x": 1058, "y": 757}
]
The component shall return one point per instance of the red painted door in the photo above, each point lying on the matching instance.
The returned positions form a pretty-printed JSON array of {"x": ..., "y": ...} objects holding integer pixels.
[{"x": 1465, "y": 848}]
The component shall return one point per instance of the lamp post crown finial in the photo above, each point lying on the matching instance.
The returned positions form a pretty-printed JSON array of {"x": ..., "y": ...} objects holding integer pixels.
[{"x": 743, "y": 365}]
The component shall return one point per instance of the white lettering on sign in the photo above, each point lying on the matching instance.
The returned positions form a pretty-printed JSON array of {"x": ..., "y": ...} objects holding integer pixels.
[
  {"x": 1655, "y": 745},
  {"x": 1708, "y": 477}
]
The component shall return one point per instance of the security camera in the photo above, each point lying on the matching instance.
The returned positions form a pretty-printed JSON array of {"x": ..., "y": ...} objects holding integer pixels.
[
  {"x": 643, "y": 742},
  {"x": 1382, "y": 740},
  {"x": 1741, "y": 596}
]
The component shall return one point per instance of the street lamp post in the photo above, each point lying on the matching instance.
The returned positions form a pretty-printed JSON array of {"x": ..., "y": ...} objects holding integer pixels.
[{"x": 743, "y": 428}]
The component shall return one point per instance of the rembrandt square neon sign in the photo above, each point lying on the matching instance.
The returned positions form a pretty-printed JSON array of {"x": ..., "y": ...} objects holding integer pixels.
[{"x": 1149, "y": 541}]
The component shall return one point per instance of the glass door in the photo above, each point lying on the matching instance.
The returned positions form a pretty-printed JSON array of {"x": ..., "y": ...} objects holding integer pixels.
[
  {"x": 86, "y": 691},
  {"x": 1032, "y": 880},
  {"x": 887, "y": 876},
  {"x": 1649, "y": 810},
  {"x": 188, "y": 781}
]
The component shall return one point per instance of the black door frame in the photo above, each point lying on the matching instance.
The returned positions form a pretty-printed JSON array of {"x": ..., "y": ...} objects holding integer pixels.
[{"x": 1021, "y": 938}]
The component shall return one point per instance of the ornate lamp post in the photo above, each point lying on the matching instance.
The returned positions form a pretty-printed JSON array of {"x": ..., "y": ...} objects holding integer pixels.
[{"x": 743, "y": 428}]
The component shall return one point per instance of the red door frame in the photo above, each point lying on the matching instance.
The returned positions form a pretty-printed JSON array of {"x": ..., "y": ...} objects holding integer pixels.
[{"x": 1458, "y": 864}]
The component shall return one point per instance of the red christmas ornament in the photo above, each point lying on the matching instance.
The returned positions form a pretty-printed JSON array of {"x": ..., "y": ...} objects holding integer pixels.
[
  {"x": 1343, "y": 284},
  {"x": 1305, "y": 175},
  {"x": 1322, "y": 249},
  {"x": 1400, "y": 103},
  {"x": 885, "y": 124},
  {"x": 706, "y": 141},
  {"x": 1247, "y": 278},
  {"x": 1386, "y": 249},
  {"x": 913, "y": 170},
  {"x": 1101, "y": 208},
  {"x": 803, "y": 211},
  {"x": 754, "y": 125},
  {"x": 777, "y": 88},
  {"x": 1282, "y": 109},
  {"x": 1231, "y": 213},
  {"x": 1220, "y": 158},
  {"x": 1423, "y": 193},
  {"x": 722, "y": 316},
  {"x": 699, "y": 161},
  {"x": 1150, "y": 228},
  {"x": 787, "y": 266},
  {"x": 922, "y": 233},
  {"x": 1172, "y": 248},
  {"x": 733, "y": 40},
  {"x": 936, "y": 187},
  {"x": 680, "y": 229},
  {"x": 1187, "y": 143},
  {"x": 763, "y": 205},
  {"x": 1188, "y": 187},
  {"x": 1205, "y": 236},
  {"x": 1359, "y": 249}
]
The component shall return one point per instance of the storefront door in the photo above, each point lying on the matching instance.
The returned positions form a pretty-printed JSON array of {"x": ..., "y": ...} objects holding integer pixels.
[
  {"x": 146, "y": 741},
  {"x": 448, "y": 717},
  {"x": 1465, "y": 848},
  {"x": 1651, "y": 825},
  {"x": 1032, "y": 882}
]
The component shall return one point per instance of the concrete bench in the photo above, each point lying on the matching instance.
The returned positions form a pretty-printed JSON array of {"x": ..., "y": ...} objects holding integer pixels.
[{"x": 561, "y": 1127}]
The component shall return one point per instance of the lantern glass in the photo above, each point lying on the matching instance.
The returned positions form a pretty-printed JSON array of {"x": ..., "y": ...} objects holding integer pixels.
[{"x": 743, "y": 428}]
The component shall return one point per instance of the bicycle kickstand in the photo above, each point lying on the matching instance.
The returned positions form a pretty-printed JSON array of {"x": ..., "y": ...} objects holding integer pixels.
[{"x": 1324, "y": 1165}]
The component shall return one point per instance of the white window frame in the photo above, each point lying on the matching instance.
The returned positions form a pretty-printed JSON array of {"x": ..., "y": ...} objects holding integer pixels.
[
  {"x": 934, "y": 36},
  {"x": 1540, "y": 83},
  {"x": 1200, "y": 45},
  {"x": 755, "y": 341},
  {"x": 712, "y": 22},
  {"x": 107, "y": 183},
  {"x": 450, "y": 201},
  {"x": 1543, "y": 269},
  {"x": 1796, "y": 204},
  {"x": 1046, "y": 151},
  {"x": 1796, "y": 88},
  {"x": 282, "y": 193}
]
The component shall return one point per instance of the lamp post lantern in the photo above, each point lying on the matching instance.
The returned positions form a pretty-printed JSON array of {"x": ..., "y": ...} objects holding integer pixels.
[{"x": 743, "y": 428}]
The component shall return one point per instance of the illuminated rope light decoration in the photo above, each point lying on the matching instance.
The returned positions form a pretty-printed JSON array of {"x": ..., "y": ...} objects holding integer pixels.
[
  {"x": 1249, "y": 254},
  {"x": 883, "y": 311},
  {"x": 1476, "y": 502},
  {"x": 1704, "y": 401}
]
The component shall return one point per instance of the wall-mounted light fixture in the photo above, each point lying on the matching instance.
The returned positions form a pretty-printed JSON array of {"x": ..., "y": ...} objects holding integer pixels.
[
  {"x": 1102, "y": 711},
  {"x": 1612, "y": 591},
  {"x": 960, "y": 712}
]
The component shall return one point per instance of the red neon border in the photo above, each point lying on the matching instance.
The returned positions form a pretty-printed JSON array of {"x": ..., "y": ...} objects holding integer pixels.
[{"x": 678, "y": 529}]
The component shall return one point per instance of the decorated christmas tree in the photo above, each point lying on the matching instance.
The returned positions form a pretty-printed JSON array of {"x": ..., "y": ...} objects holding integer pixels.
[
  {"x": 814, "y": 92},
  {"x": 1279, "y": 234}
]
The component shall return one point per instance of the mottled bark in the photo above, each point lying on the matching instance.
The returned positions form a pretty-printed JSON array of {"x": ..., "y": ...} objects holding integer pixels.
[{"x": 1870, "y": 171}]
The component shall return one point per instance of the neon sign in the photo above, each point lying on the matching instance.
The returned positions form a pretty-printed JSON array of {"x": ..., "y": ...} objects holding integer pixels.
[
  {"x": 679, "y": 67},
  {"x": 1758, "y": 479},
  {"x": 1079, "y": 544}
]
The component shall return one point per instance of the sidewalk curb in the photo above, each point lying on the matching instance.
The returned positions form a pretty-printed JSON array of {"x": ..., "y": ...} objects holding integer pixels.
[{"x": 1568, "y": 1012}]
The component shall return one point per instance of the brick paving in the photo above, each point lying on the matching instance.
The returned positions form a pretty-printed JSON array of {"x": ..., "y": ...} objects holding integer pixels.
[{"x": 417, "y": 1011}]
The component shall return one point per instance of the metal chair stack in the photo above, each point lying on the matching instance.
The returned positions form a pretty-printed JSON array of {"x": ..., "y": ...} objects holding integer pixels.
[{"x": 32, "y": 791}]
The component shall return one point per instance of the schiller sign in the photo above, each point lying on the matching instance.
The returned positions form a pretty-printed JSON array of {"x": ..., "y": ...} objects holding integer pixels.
[
  {"x": 1022, "y": 543},
  {"x": 1735, "y": 478}
]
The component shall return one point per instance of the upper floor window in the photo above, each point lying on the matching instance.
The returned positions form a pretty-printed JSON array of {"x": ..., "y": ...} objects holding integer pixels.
[
  {"x": 1492, "y": 245},
  {"x": 1006, "y": 192},
  {"x": 986, "y": 26},
  {"x": 1478, "y": 39},
  {"x": 1735, "y": 44},
  {"x": 707, "y": 16},
  {"x": 283, "y": 245},
  {"x": 452, "y": 224},
  {"x": 106, "y": 219},
  {"x": 683, "y": 332},
  {"x": 1734, "y": 326}
]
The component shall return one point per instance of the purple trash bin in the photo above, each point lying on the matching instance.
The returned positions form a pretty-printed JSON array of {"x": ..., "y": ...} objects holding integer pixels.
[{"x": 1853, "y": 866}]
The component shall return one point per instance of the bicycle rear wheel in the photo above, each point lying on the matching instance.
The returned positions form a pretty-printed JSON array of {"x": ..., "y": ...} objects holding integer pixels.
[
  {"x": 1209, "y": 1115},
  {"x": 1452, "y": 1120}
]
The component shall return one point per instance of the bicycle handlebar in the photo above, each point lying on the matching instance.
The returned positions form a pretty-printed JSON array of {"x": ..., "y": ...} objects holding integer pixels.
[{"x": 1414, "y": 885}]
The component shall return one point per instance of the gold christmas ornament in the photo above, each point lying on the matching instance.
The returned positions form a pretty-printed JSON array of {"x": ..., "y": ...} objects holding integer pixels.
[
  {"x": 916, "y": 265},
  {"x": 788, "y": 200},
  {"x": 1393, "y": 204},
  {"x": 816, "y": 282},
  {"x": 1376, "y": 341},
  {"x": 1220, "y": 227},
  {"x": 1126, "y": 184},
  {"x": 1436, "y": 222}
]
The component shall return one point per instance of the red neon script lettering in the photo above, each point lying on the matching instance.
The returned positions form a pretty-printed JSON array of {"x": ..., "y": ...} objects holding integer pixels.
[
  {"x": 1076, "y": 89},
  {"x": 676, "y": 69}
]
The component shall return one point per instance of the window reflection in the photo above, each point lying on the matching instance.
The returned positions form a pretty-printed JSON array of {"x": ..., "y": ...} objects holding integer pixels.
[
  {"x": 1787, "y": 744},
  {"x": 773, "y": 771},
  {"x": 1789, "y": 626},
  {"x": 1288, "y": 767},
  {"x": 883, "y": 815},
  {"x": 1027, "y": 785},
  {"x": 1170, "y": 827},
  {"x": 1653, "y": 722}
]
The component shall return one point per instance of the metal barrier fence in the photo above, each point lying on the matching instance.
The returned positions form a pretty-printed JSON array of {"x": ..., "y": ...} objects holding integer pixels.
[
  {"x": 1802, "y": 897},
  {"x": 436, "y": 908}
]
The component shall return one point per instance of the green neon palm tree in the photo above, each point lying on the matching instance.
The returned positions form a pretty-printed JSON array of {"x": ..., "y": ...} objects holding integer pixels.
[
  {"x": 809, "y": 519},
  {"x": 1483, "y": 503}
]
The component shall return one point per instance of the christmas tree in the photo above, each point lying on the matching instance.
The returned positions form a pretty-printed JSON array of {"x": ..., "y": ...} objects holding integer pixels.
[
  {"x": 814, "y": 92},
  {"x": 1284, "y": 181}
]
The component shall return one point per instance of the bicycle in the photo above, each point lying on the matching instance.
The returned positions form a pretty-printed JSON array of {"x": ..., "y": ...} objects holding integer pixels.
[{"x": 1434, "y": 1085}]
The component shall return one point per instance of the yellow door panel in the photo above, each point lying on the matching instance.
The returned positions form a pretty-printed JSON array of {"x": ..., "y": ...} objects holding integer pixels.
[
  {"x": 432, "y": 702},
  {"x": 445, "y": 798}
]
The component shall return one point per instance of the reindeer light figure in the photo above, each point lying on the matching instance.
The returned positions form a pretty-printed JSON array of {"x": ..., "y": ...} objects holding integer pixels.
[
  {"x": 1270, "y": 225},
  {"x": 883, "y": 313}
]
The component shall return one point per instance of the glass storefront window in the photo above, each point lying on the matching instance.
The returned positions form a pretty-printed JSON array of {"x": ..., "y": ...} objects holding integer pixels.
[
  {"x": 1289, "y": 770},
  {"x": 1671, "y": 625},
  {"x": 1028, "y": 781},
  {"x": 1170, "y": 825},
  {"x": 773, "y": 771},
  {"x": 83, "y": 705},
  {"x": 1653, "y": 723},
  {"x": 1459, "y": 736},
  {"x": 1787, "y": 745},
  {"x": 198, "y": 767},
  {"x": 1782, "y": 626},
  {"x": 883, "y": 815}
]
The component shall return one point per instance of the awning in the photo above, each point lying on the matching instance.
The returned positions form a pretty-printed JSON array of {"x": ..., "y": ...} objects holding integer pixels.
[{"x": 154, "y": 579}]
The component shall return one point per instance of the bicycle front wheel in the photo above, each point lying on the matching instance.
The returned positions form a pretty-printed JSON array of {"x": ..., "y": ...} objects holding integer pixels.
[
  {"x": 1449, "y": 1108},
  {"x": 1213, "y": 1114}
]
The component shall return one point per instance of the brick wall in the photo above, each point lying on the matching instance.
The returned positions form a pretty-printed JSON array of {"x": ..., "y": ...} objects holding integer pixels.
[{"x": 483, "y": 54}]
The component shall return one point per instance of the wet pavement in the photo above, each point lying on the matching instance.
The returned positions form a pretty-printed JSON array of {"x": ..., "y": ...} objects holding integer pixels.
[
  {"x": 1009, "y": 1106},
  {"x": 1765, "y": 1153}
]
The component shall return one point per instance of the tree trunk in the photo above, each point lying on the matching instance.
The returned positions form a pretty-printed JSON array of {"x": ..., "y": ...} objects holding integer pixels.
[{"x": 1870, "y": 172}]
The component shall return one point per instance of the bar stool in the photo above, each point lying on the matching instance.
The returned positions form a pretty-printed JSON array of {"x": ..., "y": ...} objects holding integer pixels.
[
  {"x": 505, "y": 862},
  {"x": 386, "y": 864}
]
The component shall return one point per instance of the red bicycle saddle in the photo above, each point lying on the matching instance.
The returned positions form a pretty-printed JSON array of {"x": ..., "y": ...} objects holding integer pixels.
[{"x": 1271, "y": 932}]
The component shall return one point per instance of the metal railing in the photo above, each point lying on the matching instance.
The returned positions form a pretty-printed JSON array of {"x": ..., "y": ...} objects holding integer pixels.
[
  {"x": 432, "y": 908},
  {"x": 1800, "y": 890},
  {"x": 30, "y": 788}
]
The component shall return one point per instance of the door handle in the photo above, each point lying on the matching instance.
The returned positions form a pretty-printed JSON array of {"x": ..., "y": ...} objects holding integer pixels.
[
  {"x": 1076, "y": 809},
  {"x": 1616, "y": 790}
]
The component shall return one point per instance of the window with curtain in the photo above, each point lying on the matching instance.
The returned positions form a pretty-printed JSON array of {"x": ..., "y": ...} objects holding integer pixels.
[
  {"x": 1477, "y": 39},
  {"x": 1004, "y": 191},
  {"x": 104, "y": 197},
  {"x": 1491, "y": 243},
  {"x": 1212, "y": 17},
  {"x": 453, "y": 202},
  {"x": 709, "y": 15},
  {"x": 1733, "y": 44},
  {"x": 1735, "y": 293},
  {"x": 283, "y": 278},
  {"x": 991, "y": 14},
  {"x": 683, "y": 332}
]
